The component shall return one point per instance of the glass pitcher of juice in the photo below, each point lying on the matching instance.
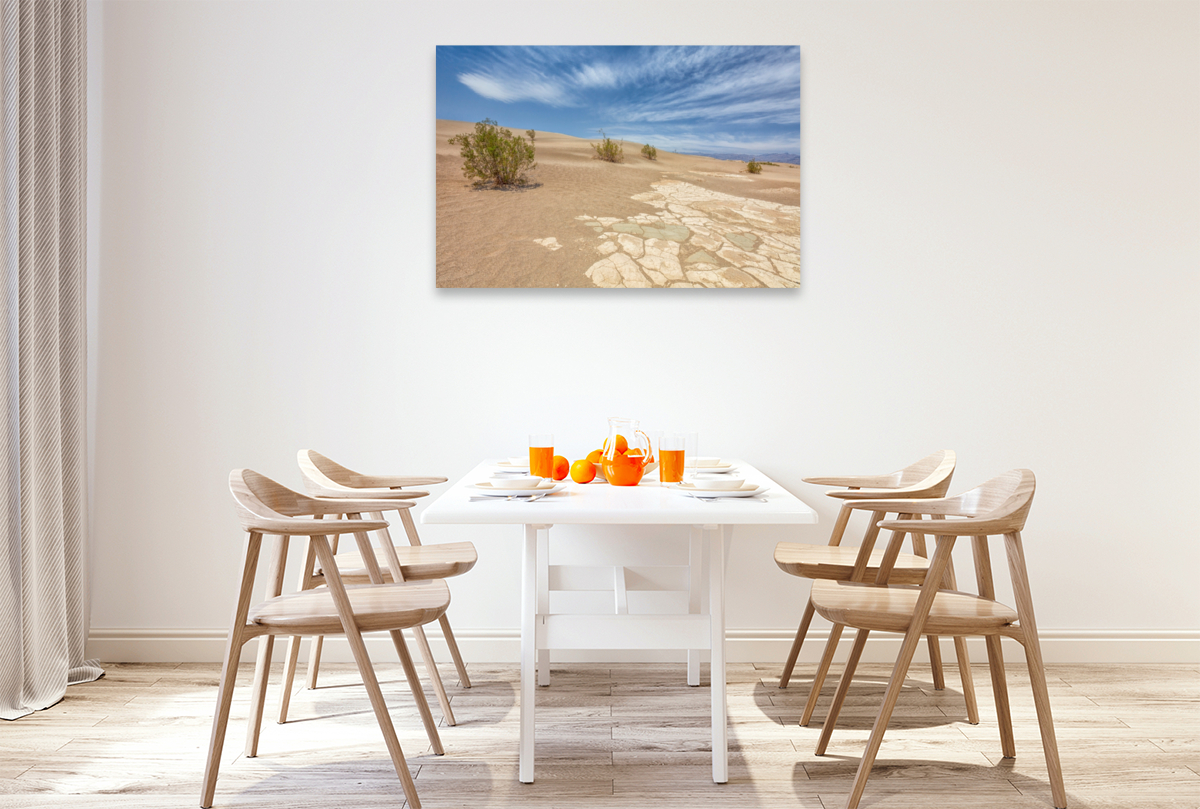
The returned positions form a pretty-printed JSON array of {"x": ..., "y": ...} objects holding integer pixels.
[{"x": 628, "y": 453}]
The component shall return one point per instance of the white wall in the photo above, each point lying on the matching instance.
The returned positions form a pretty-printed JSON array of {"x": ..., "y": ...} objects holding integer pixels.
[{"x": 1001, "y": 205}]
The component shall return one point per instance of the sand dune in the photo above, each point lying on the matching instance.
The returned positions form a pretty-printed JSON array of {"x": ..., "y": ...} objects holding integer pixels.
[{"x": 678, "y": 221}]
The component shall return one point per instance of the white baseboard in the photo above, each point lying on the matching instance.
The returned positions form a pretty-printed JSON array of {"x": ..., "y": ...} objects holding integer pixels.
[{"x": 742, "y": 646}]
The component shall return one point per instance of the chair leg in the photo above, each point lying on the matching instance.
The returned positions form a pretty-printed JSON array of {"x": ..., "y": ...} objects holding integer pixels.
[
  {"x": 912, "y": 638},
  {"x": 262, "y": 666},
  {"x": 374, "y": 693},
  {"x": 314, "y": 661},
  {"x": 1008, "y": 742},
  {"x": 367, "y": 672},
  {"x": 1037, "y": 669},
  {"x": 835, "y": 634},
  {"x": 790, "y": 663},
  {"x": 258, "y": 694},
  {"x": 964, "y": 658},
  {"x": 839, "y": 697},
  {"x": 220, "y": 722},
  {"x": 968, "y": 682},
  {"x": 233, "y": 651},
  {"x": 935, "y": 662},
  {"x": 289, "y": 676},
  {"x": 414, "y": 684},
  {"x": 434, "y": 676},
  {"x": 464, "y": 679},
  {"x": 895, "y": 685}
]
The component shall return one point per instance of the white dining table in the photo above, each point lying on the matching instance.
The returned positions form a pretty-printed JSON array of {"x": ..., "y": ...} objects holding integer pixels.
[{"x": 649, "y": 503}]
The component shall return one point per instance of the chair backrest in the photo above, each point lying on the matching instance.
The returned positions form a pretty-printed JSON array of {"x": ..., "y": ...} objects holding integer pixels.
[
  {"x": 1003, "y": 501},
  {"x": 266, "y": 507},
  {"x": 999, "y": 506},
  {"x": 935, "y": 468},
  {"x": 928, "y": 477},
  {"x": 260, "y": 500},
  {"x": 324, "y": 477},
  {"x": 322, "y": 473}
]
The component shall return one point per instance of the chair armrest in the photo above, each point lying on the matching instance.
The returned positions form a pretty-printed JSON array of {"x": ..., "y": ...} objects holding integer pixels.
[
  {"x": 348, "y": 505},
  {"x": 855, "y": 481},
  {"x": 360, "y": 494},
  {"x": 949, "y": 528},
  {"x": 397, "y": 481},
  {"x": 878, "y": 494},
  {"x": 309, "y": 528},
  {"x": 915, "y": 505}
]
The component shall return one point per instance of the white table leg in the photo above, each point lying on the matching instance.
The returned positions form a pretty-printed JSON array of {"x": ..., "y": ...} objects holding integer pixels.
[
  {"x": 543, "y": 598},
  {"x": 716, "y": 608},
  {"x": 695, "y": 565},
  {"x": 529, "y": 599}
]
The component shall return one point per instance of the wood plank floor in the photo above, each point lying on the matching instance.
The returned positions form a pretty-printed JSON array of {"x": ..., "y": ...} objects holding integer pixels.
[{"x": 610, "y": 736}]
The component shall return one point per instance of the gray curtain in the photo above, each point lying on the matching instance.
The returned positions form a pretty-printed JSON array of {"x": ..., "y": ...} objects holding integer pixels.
[{"x": 43, "y": 496}]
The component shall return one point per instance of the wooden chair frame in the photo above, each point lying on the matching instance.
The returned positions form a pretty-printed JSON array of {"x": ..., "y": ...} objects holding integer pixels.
[
  {"x": 928, "y": 477},
  {"x": 325, "y": 478},
  {"x": 997, "y": 508},
  {"x": 268, "y": 509}
]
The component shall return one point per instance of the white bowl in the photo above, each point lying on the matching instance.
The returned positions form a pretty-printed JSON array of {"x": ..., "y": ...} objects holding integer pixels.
[
  {"x": 519, "y": 461},
  {"x": 517, "y": 482},
  {"x": 700, "y": 463},
  {"x": 722, "y": 483}
]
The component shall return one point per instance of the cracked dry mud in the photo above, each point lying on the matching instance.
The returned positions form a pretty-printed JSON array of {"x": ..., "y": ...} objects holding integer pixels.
[{"x": 697, "y": 238}]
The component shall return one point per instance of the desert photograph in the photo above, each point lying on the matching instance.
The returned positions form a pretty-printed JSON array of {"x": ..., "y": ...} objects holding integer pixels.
[{"x": 618, "y": 167}]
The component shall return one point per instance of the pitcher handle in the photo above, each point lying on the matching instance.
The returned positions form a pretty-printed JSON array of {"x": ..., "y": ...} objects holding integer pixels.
[{"x": 649, "y": 446}]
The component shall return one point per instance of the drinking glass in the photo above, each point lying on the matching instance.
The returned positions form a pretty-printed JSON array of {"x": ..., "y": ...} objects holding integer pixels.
[
  {"x": 691, "y": 456},
  {"x": 541, "y": 455},
  {"x": 671, "y": 455}
]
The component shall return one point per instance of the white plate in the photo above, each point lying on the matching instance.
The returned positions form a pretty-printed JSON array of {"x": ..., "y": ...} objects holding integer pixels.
[
  {"x": 708, "y": 465},
  {"x": 747, "y": 490},
  {"x": 509, "y": 466},
  {"x": 545, "y": 487},
  {"x": 709, "y": 470}
]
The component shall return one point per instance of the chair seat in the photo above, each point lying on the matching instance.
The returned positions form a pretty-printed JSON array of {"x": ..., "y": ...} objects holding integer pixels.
[
  {"x": 889, "y": 608},
  {"x": 417, "y": 562},
  {"x": 376, "y": 607},
  {"x": 837, "y": 563}
]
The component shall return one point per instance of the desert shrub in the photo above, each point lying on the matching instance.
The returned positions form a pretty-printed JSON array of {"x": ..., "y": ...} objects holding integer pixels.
[
  {"x": 754, "y": 167},
  {"x": 494, "y": 155},
  {"x": 609, "y": 149},
  {"x": 650, "y": 152}
]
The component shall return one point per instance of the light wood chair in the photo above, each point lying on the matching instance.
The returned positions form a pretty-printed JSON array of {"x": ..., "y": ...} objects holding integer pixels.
[
  {"x": 325, "y": 478},
  {"x": 998, "y": 507},
  {"x": 266, "y": 508},
  {"x": 928, "y": 477}
]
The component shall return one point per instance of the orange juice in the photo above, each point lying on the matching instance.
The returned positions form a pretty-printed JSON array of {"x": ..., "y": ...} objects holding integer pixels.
[
  {"x": 670, "y": 465},
  {"x": 541, "y": 461}
]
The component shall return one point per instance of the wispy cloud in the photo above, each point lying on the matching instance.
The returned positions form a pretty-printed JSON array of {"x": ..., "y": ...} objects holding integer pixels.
[
  {"x": 750, "y": 94},
  {"x": 509, "y": 89}
]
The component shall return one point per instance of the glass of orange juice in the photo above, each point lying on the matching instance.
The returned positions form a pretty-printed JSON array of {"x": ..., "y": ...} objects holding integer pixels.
[
  {"x": 541, "y": 455},
  {"x": 671, "y": 448}
]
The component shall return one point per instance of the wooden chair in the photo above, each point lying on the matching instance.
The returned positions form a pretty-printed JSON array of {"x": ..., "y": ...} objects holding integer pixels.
[
  {"x": 998, "y": 507},
  {"x": 928, "y": 477},
  {"x": 406, "y": 563},
  {"x": 264, "y": 507}
]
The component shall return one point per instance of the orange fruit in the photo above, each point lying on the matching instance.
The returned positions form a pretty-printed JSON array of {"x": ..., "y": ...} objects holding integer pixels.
[
  {"x": 583, "y": 471},
  {"x": 622, "y": 445},
  {"x": 560, "y": 467},
  {"x": 594, "y": 455},
  {"x": 634, "y": 451}
]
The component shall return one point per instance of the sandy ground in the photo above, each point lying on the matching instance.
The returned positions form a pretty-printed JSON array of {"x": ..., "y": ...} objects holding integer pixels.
[{"x": 680, "y": 220}]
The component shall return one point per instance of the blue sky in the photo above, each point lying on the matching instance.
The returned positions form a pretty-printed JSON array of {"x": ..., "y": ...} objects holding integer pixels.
[{"x": 691, "y": 99}]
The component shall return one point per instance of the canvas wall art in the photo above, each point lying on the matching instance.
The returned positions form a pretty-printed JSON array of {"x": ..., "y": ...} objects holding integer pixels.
[{"x": 618, "y": 167}]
